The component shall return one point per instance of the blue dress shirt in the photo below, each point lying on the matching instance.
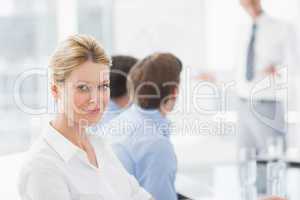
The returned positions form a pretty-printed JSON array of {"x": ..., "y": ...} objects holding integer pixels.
[
  {"x": 112, "y": 111},
  {"x": 146, "y": 151}
]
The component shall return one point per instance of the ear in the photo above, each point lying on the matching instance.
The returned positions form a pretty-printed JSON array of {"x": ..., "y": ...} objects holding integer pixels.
[
  {"x": 175, "y": 91},
  {"x": 55, "y": 91}
]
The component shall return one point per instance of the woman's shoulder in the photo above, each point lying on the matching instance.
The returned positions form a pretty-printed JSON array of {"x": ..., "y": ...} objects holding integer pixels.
[
  {"x": 38, "y": 165},
  {"x": 40, "y": 157}
]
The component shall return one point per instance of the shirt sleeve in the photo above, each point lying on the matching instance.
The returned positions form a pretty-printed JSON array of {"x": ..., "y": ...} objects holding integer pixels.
[
  {"x": 124, "y": 157},
  {"x": 137, "y": 192},
  {"x": 44, "y": 185},
  {"x": 292, "y": 63},
  {"x": 291, "y": 50},
  {"x": 157, "y": 170}
]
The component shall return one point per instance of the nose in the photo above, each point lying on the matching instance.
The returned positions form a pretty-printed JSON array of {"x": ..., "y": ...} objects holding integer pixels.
[{"x": 94, "y": 96}]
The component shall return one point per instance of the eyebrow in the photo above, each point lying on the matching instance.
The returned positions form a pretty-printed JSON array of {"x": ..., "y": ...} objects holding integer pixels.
[{"x": 104, "y": 81}]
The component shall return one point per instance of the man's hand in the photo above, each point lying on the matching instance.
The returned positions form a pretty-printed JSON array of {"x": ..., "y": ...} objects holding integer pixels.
[
  {"x": 271, "y": 70},
  {"x": 273, "y": 198},
  {"x": 206, "y": 76}
]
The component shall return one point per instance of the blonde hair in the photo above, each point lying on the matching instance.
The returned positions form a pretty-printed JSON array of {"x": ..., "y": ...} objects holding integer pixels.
[{"x": 73, "y": 52}]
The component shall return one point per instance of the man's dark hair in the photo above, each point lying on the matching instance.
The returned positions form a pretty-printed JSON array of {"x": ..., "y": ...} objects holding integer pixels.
[
  {"x": 119, "y": 70},
  {"x": 152, "y": 80}
]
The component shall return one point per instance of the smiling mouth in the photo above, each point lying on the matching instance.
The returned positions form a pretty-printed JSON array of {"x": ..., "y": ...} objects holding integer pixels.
[{"x": 94, "y": 111}]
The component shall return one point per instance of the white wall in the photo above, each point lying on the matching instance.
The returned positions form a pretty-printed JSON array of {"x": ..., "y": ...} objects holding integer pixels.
[{"x": 142, "y": 27}]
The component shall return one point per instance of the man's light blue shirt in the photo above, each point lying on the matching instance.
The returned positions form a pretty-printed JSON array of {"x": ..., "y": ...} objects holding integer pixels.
[
  {"x": 146, "y": 150},
  {"x": 112, "y": 111}
]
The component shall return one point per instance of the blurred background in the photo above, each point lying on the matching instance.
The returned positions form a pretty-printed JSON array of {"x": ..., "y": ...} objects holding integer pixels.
[{"x": 201, "y": 32}]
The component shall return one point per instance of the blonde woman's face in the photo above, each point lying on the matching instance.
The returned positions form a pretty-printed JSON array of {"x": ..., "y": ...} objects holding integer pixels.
[{"x": 86, "y": 93}]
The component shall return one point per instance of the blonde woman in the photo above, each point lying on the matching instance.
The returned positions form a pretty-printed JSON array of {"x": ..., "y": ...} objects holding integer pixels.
[{"x": 67, "y": 163}]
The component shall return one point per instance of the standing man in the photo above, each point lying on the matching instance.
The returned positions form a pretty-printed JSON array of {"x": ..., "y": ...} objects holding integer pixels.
[{"x": 266, "y": 46}]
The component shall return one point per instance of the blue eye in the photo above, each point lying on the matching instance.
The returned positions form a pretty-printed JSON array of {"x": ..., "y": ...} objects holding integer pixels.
[{"x": 83, "y": 88}]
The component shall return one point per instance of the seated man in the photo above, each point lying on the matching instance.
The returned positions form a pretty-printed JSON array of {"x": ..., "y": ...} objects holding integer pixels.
[
  {"x": 119, "y": 100},
  {"x": 146, "y": 151}
]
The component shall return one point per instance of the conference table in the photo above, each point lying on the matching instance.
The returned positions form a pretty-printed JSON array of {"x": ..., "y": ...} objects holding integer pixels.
[
  {"x": 200, "y": 179},
  {"x": 225, "y": 184}
]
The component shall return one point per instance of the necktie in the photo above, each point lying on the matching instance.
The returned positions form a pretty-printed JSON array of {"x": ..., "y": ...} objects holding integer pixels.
[{"x": 251, "y": 55}]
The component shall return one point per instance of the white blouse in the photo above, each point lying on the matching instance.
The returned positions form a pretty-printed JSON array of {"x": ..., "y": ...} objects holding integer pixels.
[{"x": 56, "y": 169}]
